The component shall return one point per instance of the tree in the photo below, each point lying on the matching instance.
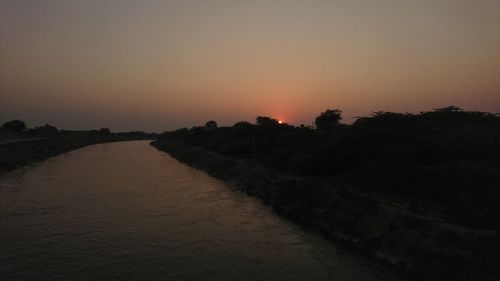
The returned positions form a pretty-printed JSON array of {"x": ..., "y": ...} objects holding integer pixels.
[
  {"x": 328, "y": 119},
  {"x": 243, "y": 124},
  {"x": 266, "y": 121},
  {"x": 15, "y": 126},
  {"x": 44, "y": 131},
  {"x": 450, "y": 108},
  {"x": 104, "y": 131},
  {"x": 211, "y": 124}
]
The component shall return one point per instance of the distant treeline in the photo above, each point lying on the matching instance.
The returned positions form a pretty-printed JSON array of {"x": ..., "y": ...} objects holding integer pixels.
[
  {"x": 17, "y": 129},
  {"x": 20, "y": 145},
  {"x": 445, "y": 162}
]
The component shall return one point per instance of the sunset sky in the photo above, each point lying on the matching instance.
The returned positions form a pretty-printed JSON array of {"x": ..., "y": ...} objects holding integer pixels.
[{"x": 162, "y": 65}]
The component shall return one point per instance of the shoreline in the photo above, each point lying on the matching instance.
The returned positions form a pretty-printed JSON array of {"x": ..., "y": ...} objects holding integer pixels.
[
  {"x": 14, "y": 155},
  {"x": 418, "y": 246}
]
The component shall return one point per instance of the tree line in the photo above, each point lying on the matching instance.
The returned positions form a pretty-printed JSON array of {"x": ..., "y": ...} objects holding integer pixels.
[
  {"x": 447, "y": 159},
  {"x": 16, "y": 129}
]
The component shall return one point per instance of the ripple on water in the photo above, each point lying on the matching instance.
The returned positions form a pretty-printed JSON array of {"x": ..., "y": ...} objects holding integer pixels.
[{"x": 125, "y": 211}]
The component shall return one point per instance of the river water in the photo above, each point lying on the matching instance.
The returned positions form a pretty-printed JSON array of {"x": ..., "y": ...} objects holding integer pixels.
[{"x": 125, "y": 211}]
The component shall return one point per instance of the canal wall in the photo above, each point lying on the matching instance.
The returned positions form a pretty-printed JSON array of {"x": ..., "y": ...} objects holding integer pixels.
[{"x": 420, "y": 247}]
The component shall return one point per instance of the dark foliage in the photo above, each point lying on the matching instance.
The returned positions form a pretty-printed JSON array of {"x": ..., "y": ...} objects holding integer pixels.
[
  {"x": 328, "y": 120},
  {"x": 15, "y": 126},
  {"x": 16, "y": 131},
  {"x": 266, "y": 121},
  {"x": 44, "y": 131},
  {"x": 35, "y": 144},
  {"x": 104, "y": 131},
  {"x": 445, "y": 161},
  {"x": 211, "y": 124}
]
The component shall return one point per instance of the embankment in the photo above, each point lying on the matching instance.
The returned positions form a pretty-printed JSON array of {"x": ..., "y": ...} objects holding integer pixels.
[
  {"x": 421, "y": 247},
  {"x": 17, "y": 154}
]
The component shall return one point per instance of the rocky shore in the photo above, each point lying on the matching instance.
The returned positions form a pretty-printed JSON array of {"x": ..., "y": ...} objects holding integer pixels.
[{"x": 419, "y": 246}]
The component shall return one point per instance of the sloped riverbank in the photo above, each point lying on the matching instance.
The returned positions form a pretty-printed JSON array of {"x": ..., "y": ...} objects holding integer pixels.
[
  {"x": 421, "y": 247},
  {"x": 20, "y": 153}
]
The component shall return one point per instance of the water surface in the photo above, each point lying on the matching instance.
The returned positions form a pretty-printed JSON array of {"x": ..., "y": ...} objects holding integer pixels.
[{"x": 125, "y": 211}]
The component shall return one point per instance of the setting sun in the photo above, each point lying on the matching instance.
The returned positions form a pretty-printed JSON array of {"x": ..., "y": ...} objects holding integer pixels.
[{"x": 163, "y": 115}]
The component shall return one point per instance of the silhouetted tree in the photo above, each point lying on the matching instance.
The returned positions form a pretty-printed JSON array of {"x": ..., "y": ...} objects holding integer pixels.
[
  {"x": 104, "y": 131},
  {"x": 44, "y": 131},
  {"x": 243, "y": 124},
  {"x": 328, "y": 119},
  {"x": 449, "y": 109},
  {"x": 266, "y": 121},
  {"x": 211, "y": 124},
  {"x": 15, "y": 126}
]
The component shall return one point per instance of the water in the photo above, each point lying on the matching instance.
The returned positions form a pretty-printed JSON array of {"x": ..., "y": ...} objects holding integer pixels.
[{"x": 125, "y": 211}]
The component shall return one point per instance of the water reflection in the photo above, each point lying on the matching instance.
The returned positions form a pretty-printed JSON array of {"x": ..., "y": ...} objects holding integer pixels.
[{"x": 125, "y": 211}]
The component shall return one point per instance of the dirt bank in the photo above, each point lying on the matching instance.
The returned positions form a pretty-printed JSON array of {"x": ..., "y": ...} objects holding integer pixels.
[
  {"x": 17, "y": 154},
  {"x": 421, "y": 247}
]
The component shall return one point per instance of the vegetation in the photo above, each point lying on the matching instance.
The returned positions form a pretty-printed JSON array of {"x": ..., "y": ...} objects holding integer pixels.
[
  {"x": 17, "y": 130},
  {"x": 20, "y": 145},
  {"x": 328, "y": 120},
  {"x": 17, "y": 126},
  {"x": 211, "y": 124},
  {"x": 444, "y": 162},
  {"x": 416, "y": 190},
  {"x": 44, "y": 131}
]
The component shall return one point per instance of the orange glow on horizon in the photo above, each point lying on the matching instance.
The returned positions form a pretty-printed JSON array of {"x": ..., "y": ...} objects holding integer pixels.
[{"x": 163, "y": 65}]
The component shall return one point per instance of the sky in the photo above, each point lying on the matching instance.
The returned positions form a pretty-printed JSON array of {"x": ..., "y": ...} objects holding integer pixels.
[{"x": 162, "y": 65}]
